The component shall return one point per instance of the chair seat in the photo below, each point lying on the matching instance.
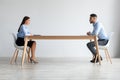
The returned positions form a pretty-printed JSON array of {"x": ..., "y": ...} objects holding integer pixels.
[
  {"x": 103, "y": 47},
  {"x": 19, "y": 47}
]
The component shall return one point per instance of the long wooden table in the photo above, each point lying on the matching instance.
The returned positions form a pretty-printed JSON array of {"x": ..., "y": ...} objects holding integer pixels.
[{"x": 81, "y": 37}]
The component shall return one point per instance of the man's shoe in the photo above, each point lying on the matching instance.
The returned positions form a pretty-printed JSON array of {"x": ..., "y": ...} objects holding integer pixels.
[{"x": 93, "y": 61}]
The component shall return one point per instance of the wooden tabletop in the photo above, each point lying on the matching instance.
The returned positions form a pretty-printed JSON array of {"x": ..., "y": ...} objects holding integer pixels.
[{"x": 60, "y": 37}]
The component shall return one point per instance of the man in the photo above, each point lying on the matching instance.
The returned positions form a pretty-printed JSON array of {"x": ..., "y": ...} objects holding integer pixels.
[{"x": 98, "y": 30}]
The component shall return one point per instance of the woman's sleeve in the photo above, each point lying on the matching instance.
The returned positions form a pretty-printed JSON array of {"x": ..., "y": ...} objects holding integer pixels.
[{"x": 26, "y": 31}]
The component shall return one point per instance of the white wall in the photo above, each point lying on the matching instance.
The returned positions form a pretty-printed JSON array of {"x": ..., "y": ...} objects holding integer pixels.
[{"x": 57, "y": 17}]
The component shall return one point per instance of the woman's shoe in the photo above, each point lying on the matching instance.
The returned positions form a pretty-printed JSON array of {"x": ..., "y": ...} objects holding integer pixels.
[{"x": 32, "y": 60}]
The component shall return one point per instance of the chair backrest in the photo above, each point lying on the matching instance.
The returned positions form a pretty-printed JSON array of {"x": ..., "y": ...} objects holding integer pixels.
[
  {"x": 14, "y": 37},
  {"x": 15, "y": 45},
  {"x": 109, "y": 37}
]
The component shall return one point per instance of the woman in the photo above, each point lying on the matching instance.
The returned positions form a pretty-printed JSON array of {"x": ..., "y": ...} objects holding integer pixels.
[{"x": 24, "y": 31}]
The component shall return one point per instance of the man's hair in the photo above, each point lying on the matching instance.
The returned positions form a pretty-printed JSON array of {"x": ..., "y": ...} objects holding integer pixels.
[{"x": 93, "y": 15}]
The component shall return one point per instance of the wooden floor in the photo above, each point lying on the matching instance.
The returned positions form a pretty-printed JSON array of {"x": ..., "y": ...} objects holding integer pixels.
[{"x": 60, "y": 69}]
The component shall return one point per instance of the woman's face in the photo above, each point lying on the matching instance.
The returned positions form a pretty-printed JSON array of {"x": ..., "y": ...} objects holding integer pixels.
[{"x": 27, "y": 22}]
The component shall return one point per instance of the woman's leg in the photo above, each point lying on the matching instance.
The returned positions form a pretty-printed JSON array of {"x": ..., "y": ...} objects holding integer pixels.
[
  {"x": 32, "y": 45},
  {"x": 33, "y": 48}
]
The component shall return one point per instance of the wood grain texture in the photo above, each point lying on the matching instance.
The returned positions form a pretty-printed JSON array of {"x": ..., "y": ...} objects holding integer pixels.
[{"x": 61, "y": 37}]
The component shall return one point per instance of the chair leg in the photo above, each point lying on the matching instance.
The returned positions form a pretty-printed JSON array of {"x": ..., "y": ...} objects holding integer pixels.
[
  {"x": 109, "y": 56},
  {"x": 106, "y": 54},
  {"x": 29, "y": 55},
  {"x": 13, "y": 58},
  {"x": 16, "y": 56},
  {"x": 26, "y": 56}
]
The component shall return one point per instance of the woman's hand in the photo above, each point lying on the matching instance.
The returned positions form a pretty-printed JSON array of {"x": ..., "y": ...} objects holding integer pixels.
[{"x": 31, "y": 34}]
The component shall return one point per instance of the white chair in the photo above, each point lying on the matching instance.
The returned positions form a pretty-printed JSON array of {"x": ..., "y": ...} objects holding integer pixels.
[
  {"x": 14, "y": 58},
  {"x": 105, "y": 48}
]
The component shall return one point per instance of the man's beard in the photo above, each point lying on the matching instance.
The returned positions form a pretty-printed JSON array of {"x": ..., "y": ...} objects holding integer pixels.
[{"x": 91, "y": 22}]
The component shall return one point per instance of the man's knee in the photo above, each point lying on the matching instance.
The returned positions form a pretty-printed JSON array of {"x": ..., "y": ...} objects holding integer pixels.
[{"x": 88, "y": 44}]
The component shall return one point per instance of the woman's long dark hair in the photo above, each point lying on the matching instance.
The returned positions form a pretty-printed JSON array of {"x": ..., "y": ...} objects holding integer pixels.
[{"x": 23, "y": 21}]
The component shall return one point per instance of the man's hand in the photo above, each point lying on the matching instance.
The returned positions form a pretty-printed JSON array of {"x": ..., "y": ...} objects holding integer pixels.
[{"x": 89, "y": 33}]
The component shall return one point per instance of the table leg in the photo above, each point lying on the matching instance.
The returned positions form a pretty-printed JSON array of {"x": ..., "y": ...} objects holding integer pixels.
[
  {"x": 28, "y": 59},
  {"x": 97, "y": 50},
  {"x": 24, "y": 52}
]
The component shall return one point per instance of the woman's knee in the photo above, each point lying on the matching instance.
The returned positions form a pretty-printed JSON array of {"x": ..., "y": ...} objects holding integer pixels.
[{"x": 34, "y": 42}]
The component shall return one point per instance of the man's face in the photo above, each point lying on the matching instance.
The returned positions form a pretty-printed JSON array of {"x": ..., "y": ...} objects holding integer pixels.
[{"x": 92, "y": 19}]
